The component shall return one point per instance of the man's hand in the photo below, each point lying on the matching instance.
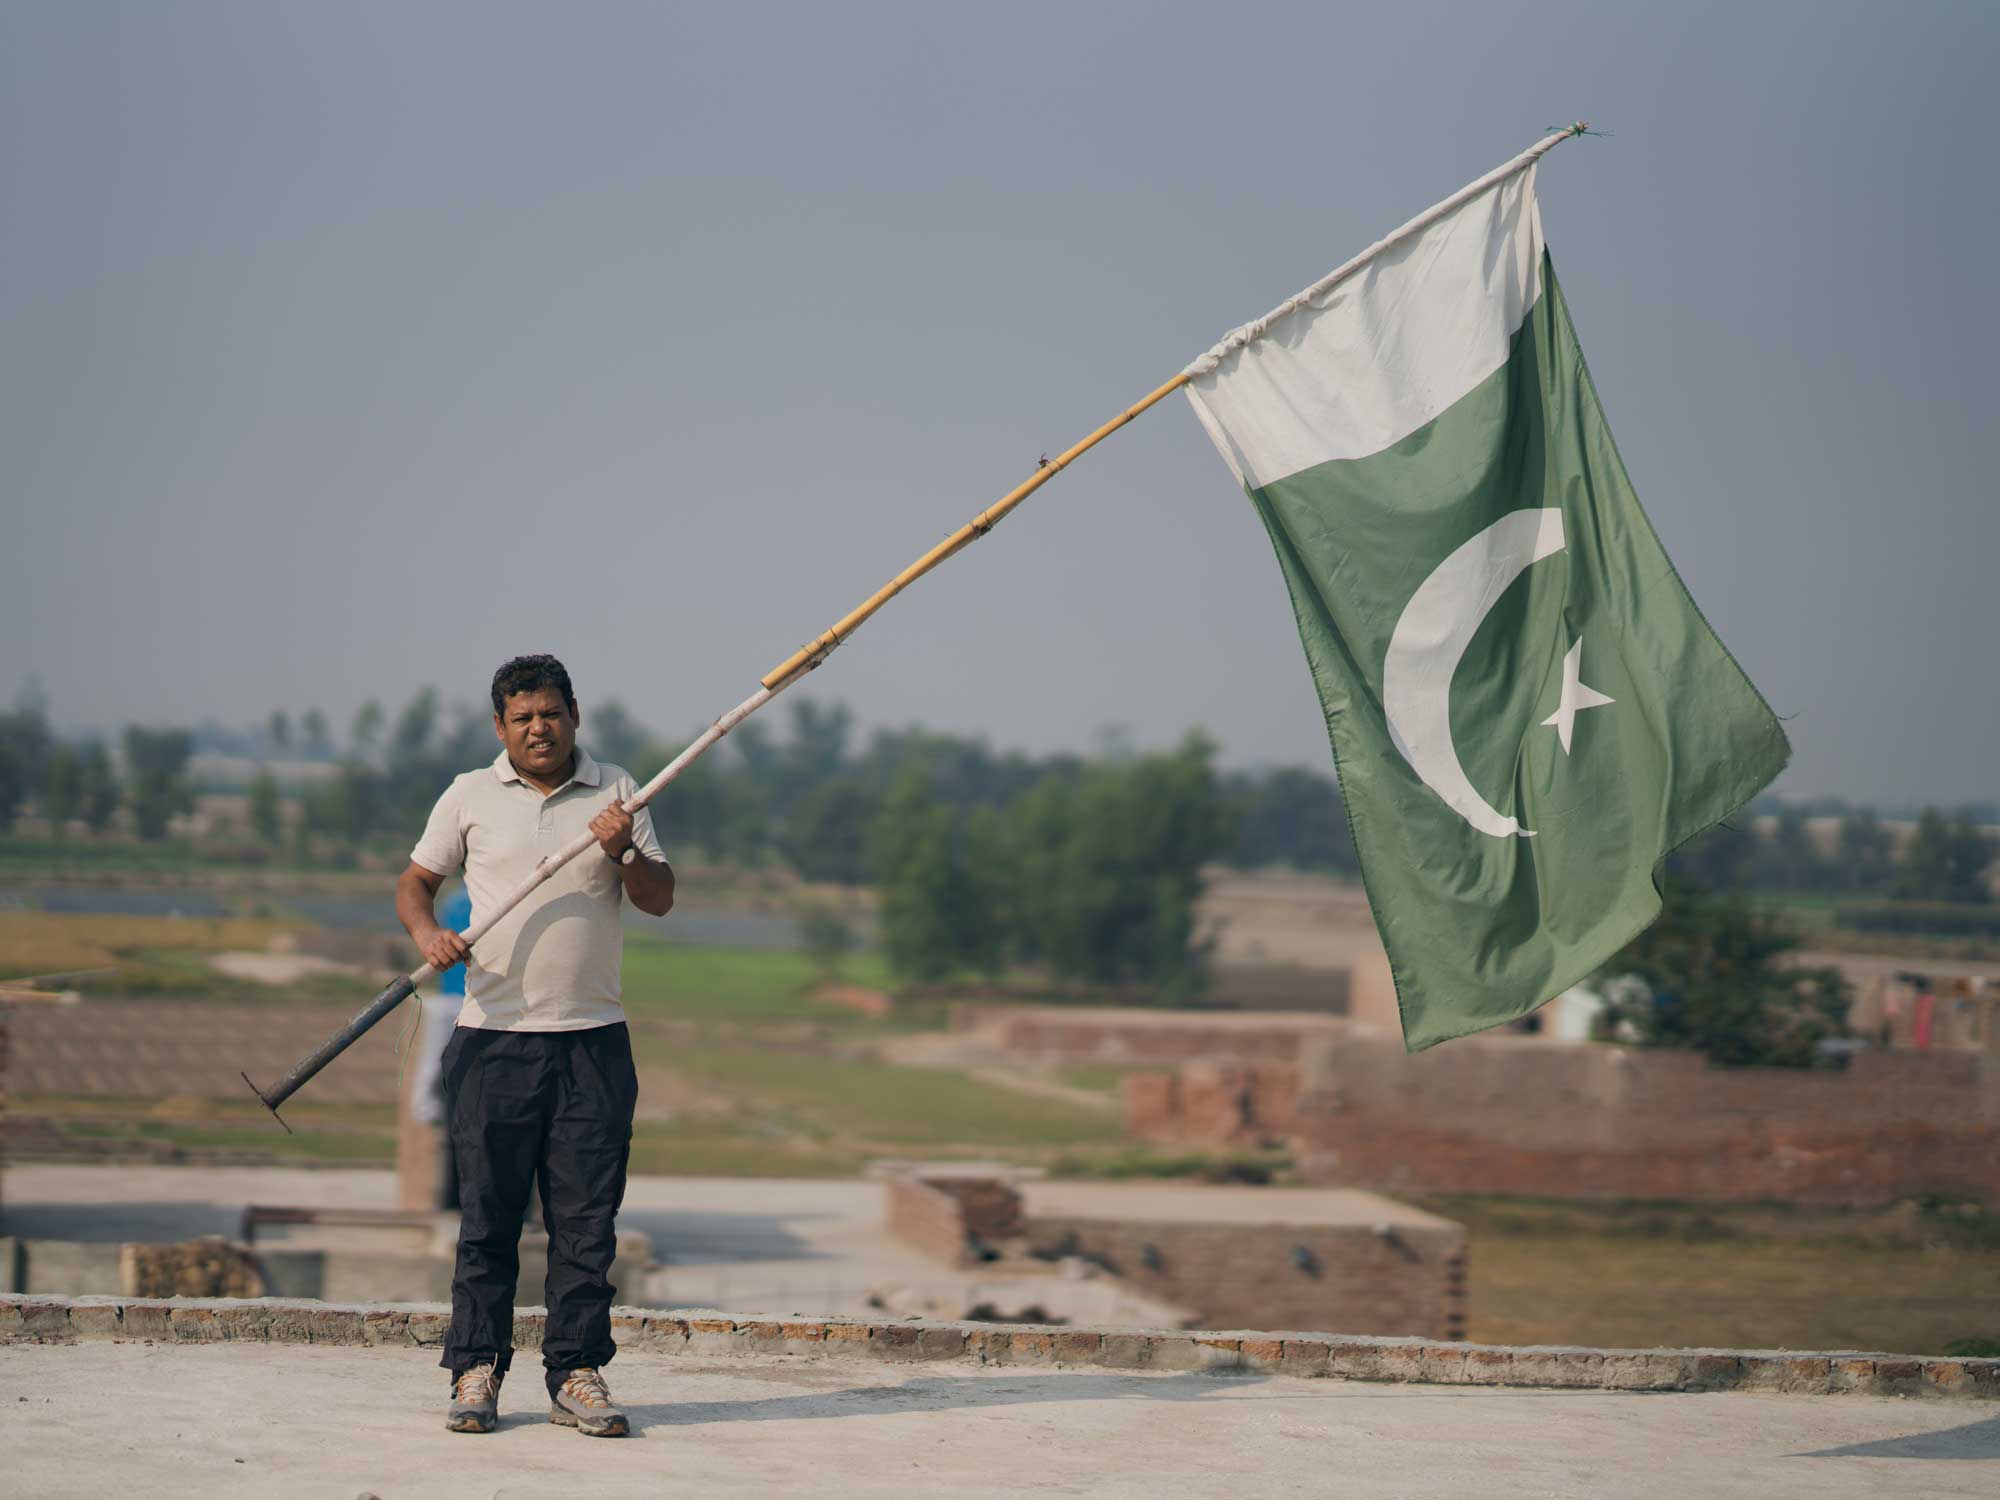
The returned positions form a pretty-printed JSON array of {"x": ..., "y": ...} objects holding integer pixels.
[
  {"x": 416, "y": 891},
  {"x": 613, "y": 828},
  {"x": 443, "y": 949}
]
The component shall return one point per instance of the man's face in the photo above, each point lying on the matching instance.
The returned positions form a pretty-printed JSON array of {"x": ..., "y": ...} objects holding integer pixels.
[{"x": 539, "y": 731}]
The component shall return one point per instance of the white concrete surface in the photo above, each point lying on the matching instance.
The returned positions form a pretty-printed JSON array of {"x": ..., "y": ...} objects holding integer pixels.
[
  {"x": 92, "y": 1420},
  {"x": 808, "y": 1246}
]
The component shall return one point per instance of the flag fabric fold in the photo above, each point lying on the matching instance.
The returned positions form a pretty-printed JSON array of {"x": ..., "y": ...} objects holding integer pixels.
[{"x": 1526, "y": 708}]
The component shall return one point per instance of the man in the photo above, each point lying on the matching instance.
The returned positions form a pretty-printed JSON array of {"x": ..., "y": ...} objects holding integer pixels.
[{"x": 538, "y": 1075}]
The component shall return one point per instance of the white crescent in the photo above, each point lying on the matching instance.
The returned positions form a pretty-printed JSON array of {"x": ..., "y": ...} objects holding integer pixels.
[{"x": 1431, "y": 636}]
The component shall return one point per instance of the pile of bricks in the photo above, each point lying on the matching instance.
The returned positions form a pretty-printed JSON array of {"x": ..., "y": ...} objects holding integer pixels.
[{"x": 704, "y": 1334}]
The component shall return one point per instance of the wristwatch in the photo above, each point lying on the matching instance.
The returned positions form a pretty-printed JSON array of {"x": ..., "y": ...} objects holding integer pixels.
[{"x": 628, "y": 854}]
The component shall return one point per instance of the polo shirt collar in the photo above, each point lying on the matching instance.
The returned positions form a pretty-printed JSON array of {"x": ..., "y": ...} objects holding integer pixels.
[{"x": 586, "y": 773}]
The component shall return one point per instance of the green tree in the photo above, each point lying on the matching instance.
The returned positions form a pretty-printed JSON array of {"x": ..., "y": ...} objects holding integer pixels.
[
  {"x": 264, "y": 817},
  {"x": 816, "y": 751},
  {"x": 932, "y": 922},
  {"x": 279, "y": 730},
  {"x": 1719, "y": 859},
  {"x": 317, "y": 736},
  {"x": 98, "y": 792},
  {"x": 826, "y": 834},
  {"x": 367, "y": 726},
  {"x": 1717, "y": 982},
  {"x": 1864, "y": 851},
  {"x": 24, "y": 758},
  {"x": 1788, "y": 860},
  {"x": 1107, "y": 869},
  {"x": 615, "y": 736},
  {"x": 1946, "y": 860},
  {"x": 62, "y": 787},
  {"x": 1290, "y": 817},
  {"x": 156, "y": 761},
  {"x": 415, "y": 725}
]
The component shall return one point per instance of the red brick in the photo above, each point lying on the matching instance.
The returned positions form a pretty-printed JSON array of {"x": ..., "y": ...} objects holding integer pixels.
[
  {"x": 1898, "y": 1377},
  {"x": 1354, "y": 1359},
  {"x": 1126, "y": 1351},
  {"x": 894, "y": 1340},
  {"x": 97, "y": 1320},
  {"x": 382, "y": 1326},
  {"x": 1077, "y": 1344},
  {"x": 195, "y": 1325},
  {"x": 428, "y": 1329},
  {"x": 1804, "y": 1374},
  {"x": 1031, "y": 1346},
  {"x": 1715, "y": 1372},
  {"x": 944, "y": 1342},
  {"x": 1851, "y": 1375},
  {"x": 45, "y": 1319},
  {"x": 1306, "y": 1357},
  {"x": 1444, "y": 1364},
  {"x": 665, "y": 1331}
]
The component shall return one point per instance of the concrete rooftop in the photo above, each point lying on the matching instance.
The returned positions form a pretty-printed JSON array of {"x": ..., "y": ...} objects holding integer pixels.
[
  {"x": 320, "y": 1423},
  {"x": 1186, "y": 1203},
  {"x": 721, "y": 1241}
]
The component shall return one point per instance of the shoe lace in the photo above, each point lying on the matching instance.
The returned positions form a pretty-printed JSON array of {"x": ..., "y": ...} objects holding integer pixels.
[
  {"x": 480, "y": 1383},
  {"x": 587, "y": 1386}
]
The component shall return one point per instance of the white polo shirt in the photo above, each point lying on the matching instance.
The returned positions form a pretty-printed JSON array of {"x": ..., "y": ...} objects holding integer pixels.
[{"x": 552, "y": 963}]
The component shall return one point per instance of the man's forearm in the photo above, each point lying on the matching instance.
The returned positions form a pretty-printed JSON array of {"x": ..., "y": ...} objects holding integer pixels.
[
  {"x": 416, "y": 909},
  {"x": 649, "y": 884}
]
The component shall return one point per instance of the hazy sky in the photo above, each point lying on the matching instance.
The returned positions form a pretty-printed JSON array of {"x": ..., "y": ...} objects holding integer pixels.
[{"x": 349, "y": 348}]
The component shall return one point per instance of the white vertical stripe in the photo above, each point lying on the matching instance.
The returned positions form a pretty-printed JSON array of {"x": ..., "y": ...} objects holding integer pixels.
[{"x": 1383, "y": 347}]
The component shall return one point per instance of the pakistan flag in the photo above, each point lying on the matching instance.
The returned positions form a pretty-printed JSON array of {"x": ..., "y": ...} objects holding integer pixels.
[{"x": 1527, "y": 710}]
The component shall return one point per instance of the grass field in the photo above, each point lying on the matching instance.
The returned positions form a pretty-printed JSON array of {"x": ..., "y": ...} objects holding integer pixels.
[{"x": 1643, "y": 1275}]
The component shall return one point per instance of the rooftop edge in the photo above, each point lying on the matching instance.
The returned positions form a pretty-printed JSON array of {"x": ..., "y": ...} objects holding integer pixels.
[{"x": 30, "y": 1319}]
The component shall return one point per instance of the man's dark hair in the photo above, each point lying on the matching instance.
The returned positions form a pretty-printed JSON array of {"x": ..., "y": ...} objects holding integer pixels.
[{"x": 530, "y": 674}]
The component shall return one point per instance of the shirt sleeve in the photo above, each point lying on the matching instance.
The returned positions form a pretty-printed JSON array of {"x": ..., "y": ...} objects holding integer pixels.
[
  {"x": 442, "y": 848},
  {"x": 642, "y": 822}
]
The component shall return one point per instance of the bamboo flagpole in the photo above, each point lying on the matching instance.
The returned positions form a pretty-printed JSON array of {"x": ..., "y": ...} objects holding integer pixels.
[{"x": 810, "y": 655}]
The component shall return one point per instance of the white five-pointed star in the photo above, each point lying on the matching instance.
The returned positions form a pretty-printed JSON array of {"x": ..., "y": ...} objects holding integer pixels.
[{"x": 1575, "y": 696}]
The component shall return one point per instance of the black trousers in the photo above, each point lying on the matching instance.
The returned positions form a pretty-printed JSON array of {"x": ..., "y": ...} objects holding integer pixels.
[{"x": 522, "y": 1107}]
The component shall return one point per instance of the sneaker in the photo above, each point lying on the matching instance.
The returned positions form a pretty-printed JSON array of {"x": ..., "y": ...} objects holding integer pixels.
[
  {"x": 585, "y": 1404},
  {"x": 475, "y": 1400}
]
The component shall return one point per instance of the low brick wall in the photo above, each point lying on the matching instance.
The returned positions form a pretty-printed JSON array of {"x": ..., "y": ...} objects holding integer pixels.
[
  {"x": 704, "y": 1334},
  {"x": 1409, "y": 1281},
  {"x": 919, "y": 1214},
  {"x": 956, "y": 1214},
  {"x": 1064, "y": 1033},
  {"x": 1213, "y": 1104},
  {"x": 1577, "y": 1120}
]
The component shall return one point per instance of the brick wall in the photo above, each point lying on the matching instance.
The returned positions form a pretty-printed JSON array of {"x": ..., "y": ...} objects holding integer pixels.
[
  {"x": 1507, "y": 1115},
  {"x": 1400, "y": 1280},
  {"x": 1214, "y": 1104},
  {"x": 950, "y": 1216},
  {"x": 1061, "y": 1034}
]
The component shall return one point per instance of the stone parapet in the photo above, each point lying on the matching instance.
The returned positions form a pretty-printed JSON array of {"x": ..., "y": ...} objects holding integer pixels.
[{"x": 706, "y": 1334}]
